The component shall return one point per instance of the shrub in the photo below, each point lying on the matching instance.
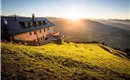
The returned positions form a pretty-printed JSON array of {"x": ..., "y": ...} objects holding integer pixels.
[
  {"x": 127, "y": 50},
  {"x": 93, "y": 42},
  {"x": 59, "y": 41},
  {"x": 103, "y": 43}
]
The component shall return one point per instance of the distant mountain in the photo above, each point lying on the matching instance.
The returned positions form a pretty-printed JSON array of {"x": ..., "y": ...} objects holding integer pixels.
[
  {"x": 127, "y": 21},
  {"x": 124, "y": 24},
  {"x": 112, "y": 33}
]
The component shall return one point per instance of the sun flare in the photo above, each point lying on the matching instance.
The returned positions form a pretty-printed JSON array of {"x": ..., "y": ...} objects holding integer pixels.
[
  {"x": 73, "y": 15},
  {"x": 74, "y": 18}
]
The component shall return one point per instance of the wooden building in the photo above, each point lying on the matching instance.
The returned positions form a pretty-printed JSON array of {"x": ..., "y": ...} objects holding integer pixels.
[{"x": 32, "y": 30}]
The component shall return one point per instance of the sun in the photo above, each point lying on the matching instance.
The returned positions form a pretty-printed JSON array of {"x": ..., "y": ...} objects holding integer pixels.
[{"x": 74, "y": 15}]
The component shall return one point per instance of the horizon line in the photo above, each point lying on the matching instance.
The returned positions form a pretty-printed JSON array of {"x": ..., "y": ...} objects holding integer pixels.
[{"x": 68, "y": 18}]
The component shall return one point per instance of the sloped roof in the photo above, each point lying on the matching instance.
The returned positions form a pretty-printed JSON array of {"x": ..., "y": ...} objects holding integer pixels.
[{"x": 14, "y": 26}]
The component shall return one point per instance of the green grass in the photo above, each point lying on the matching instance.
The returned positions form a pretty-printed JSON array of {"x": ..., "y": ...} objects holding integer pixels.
[{"x": 63, "y": 62}]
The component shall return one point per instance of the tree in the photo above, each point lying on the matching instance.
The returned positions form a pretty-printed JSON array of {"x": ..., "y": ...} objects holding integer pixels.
[{"x": 127, "y": 50}]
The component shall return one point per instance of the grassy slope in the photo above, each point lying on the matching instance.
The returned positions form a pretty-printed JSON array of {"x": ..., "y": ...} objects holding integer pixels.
[{"x": 62, "y": 62}]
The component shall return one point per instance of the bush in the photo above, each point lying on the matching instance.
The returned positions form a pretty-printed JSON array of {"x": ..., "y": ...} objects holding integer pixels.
[
  {"x": 59, "y": 41},
  {"x": 127, "y": 50},
  {"x": 92, "y": 42},
  {"x": 103, "y": 43}
]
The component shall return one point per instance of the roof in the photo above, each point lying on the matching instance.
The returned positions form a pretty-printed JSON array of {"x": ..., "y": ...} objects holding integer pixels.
[{"x": 15, "y": 28}]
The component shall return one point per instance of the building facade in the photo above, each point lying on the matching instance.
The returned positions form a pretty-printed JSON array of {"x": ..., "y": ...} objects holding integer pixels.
[{"x": 33, "y": 30}]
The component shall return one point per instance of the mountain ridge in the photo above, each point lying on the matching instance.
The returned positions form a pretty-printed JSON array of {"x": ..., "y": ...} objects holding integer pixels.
[{"x": 113, "y": 34}]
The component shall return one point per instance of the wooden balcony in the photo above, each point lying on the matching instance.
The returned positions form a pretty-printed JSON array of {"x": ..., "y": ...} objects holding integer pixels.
[{"x": 55, "y": 36}]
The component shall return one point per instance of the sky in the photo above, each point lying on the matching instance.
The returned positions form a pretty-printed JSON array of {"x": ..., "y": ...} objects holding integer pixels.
[{"x": 98, "y": 9}]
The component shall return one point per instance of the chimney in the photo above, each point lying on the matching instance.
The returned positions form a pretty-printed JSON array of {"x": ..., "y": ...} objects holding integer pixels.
[
  {"x": 5, "y": 24},
  {"x": 15, "y": 17},
  {"x": 33, "y": 16}
]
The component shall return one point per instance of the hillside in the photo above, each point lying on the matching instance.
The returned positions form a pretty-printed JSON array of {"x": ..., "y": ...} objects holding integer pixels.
[
  {"x": 63, "y": 62},
  {"x": 115, "y": 34}
]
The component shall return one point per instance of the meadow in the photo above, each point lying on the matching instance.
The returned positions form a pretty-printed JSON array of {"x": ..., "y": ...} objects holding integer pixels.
[{"x": 68, "y": 61}]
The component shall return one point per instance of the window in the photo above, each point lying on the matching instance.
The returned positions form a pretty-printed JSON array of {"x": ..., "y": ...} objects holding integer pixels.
[
  {"x": 37, "y": 23},
  {"x": 31, "y": 23},
  {"x": 34, "y": 23},
  {"x": 38, "y": 39},
  {"x": 26, "y": 24},
  {"x": 41, "y": 22},
  {"x": 41, "y": 38},
  {"x": 40, "y": 30},
  {"x": 30, "y": 33},
  {"x": 44, "y": 22},
  {"x": 44, "y": 29},
  {"x": 22, "y": 24},
  {"x": 46, "y": 38},
  {"x": 35, "y": 32},
  {"x": 34, "y": 40}
]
